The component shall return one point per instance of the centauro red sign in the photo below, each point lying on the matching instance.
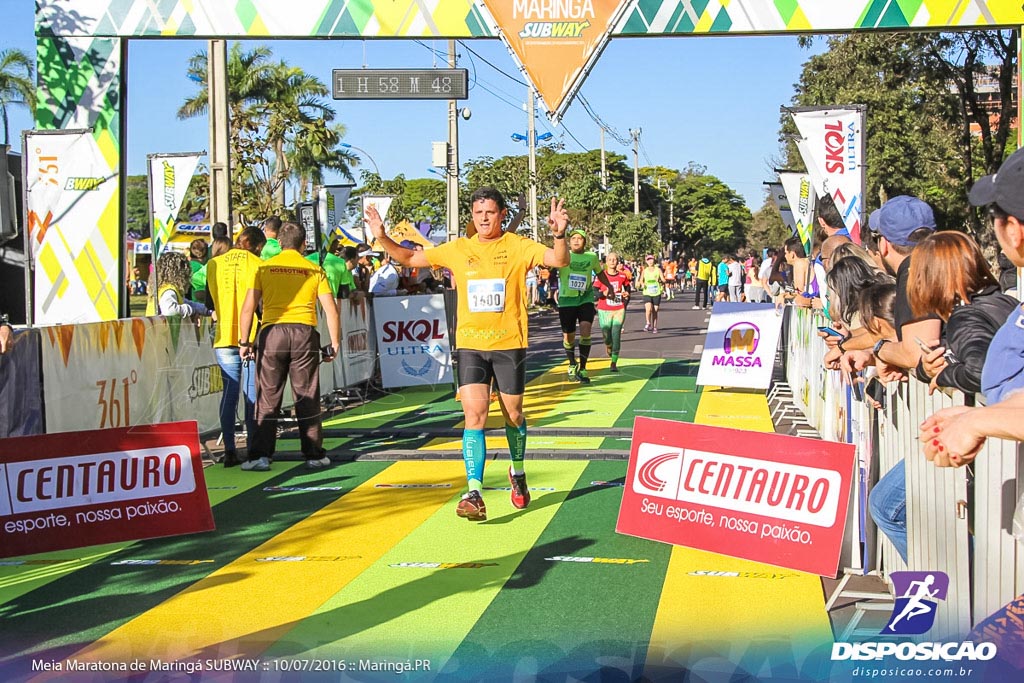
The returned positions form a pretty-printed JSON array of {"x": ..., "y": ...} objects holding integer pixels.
[
  {"x": 775, "y": 499},
  {"x": 75, "y": 489}
]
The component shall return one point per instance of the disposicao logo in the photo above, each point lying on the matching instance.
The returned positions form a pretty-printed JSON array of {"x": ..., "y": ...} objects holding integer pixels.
[{"x": 917, "y": 596}]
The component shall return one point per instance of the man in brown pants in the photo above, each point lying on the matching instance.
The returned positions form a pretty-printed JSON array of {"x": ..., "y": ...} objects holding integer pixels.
[{"x": 288, "y": 347}]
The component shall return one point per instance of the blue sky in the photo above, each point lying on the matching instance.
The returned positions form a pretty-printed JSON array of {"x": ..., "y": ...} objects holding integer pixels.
[{"x": 710, "y": 100}]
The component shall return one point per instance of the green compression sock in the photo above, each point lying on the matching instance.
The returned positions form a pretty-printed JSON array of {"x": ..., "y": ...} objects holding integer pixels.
[
  {"x": 516, "y": 445},
  {"x": 474, "y": 453}
]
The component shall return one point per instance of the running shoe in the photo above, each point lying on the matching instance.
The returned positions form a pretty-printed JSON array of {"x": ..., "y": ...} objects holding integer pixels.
[
  {"x": 472, "y": 507},
  {"x": 696, "y": 308},
  {"x": 520, "y": 491},
  {"x": 654, "y": 330},
  {"x": 572, "y": 372},
  {"x": 257, "y": 465},
  {"x": 647, "y": 327},
  {"x": 614, "y": 368},
  {"x": 582, "y": 377},
  {"x": 318, "y": 463}
]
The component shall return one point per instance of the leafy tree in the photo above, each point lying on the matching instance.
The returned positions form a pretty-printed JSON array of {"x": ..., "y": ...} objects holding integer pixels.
[
  {"x": 710, "y": 216},
  {"x": 137, "y": 204},
  {"x": 767, "y": 228},
  {"x": 16, "y": 84},
  {"x": 634, "y": 235}
]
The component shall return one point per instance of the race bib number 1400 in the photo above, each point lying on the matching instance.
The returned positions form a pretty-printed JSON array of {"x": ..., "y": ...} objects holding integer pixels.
[{"x": 486, "y": 296}]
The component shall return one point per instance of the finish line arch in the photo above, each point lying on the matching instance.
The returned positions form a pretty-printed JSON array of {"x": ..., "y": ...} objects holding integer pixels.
[{"x": 81, "y": 60}]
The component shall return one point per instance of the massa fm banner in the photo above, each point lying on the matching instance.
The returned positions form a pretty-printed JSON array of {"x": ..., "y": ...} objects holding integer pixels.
[{"x": 739, "y": 350}]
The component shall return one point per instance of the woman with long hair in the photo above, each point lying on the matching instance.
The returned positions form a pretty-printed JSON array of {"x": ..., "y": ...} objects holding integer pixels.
[
  {"x": 174, "y": 277},
  {"x": 849, "y": 277},
  {"x": 950, "y": 277}
]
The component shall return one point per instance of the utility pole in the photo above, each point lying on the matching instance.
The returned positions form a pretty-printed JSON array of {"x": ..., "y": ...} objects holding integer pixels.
[
  {"x": 452, "y": 170},
  {"x": 531, "y": 133},
  {"x": 635, "y": 133},
  {"x": 604, "y": 164},
  {"x": 217, "y": 101}
]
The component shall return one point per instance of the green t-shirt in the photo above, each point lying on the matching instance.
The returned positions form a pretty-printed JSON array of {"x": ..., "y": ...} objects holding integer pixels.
[
  {"x": 576, "y": 280},
  {"x": 198, "y": 276},
  {"x": 337, "y": 271},
  {"x": 271, "y": 249}
]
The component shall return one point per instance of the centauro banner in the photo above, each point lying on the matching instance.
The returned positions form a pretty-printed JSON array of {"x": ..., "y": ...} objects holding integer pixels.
[
  {"x": 68, "y": 190},
  {"x": 833, "y": 146},
  {"x": 801, "y": 203},
  {"x": 169, "y": 178},
  {"x": 556, "y": 41}
]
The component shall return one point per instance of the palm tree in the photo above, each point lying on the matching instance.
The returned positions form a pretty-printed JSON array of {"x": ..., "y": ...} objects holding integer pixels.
[
  {"x": 16, "y": 83},
  {"x": 248, "y": 80},
  {"x": 308, "y": 156}
]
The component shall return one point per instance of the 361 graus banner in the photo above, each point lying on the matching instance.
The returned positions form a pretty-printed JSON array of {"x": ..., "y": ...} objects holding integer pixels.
[
  {"x": 169, "y": 178},
  {"x": 833, "y": 145},
  {"x": 76, "y": 489},
  {"x": 777, "y": 499},
  {"x": 68, "y": 188},
  {"x": 801, "y": 203}
]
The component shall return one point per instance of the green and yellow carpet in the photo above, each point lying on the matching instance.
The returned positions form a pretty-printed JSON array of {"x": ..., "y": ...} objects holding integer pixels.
[{"x": 365, "y": 567}]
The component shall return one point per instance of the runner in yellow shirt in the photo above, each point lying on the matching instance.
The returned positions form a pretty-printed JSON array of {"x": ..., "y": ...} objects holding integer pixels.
[{"x": 490, "y": 274}]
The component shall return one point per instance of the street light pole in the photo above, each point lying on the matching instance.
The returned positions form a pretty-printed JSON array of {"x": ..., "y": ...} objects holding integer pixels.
[
  {"x": 635, "y": 133},
  {"x": 452, "y": 170},
  {"x": 531, "y": 134},
  {"x": 364, "y": 153}
]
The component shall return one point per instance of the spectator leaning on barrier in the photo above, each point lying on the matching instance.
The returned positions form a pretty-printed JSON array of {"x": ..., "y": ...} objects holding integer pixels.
[
  {"x": 950, "y": 276},
  {"x": 954, "y": 436},
  {"x": 384, "y": 281},
  {"x": 173, "y": 274},
  {"x": 230, "y": 276},
  {"x": 288, "y": 347},
  {"x": 6, "y": 331}
]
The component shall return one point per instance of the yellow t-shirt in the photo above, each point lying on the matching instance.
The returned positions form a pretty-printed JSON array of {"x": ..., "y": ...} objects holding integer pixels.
[
  {"x": 151, "y": 305},
  {"x": 290, "y": 285},
  {"x": 491, "y": 281},
  {"x": 228, "y": 278}
]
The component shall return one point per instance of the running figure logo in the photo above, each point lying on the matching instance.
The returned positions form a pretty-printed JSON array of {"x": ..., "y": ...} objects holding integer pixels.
[{"x": 917, "y": 595}]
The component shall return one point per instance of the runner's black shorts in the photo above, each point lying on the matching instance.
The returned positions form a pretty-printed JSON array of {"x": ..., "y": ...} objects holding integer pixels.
[
  {"x": 480, "y": 367},
  {"x": 568, "y": 315},
  {"x": 656, "y": 300}
]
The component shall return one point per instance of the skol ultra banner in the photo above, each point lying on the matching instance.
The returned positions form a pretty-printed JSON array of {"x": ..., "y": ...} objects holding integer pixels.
[
  {"x": 781, "y": 500},
  {"x": 60, "y": 491},
  {"x": 169, "y": 178},
  {"x": 739, "y": 350},
  {"x": 330, "y": 204},
  {"x": 412, "y": 335},
  {"x": 781, "y": 202},
  {"x": 801, "y": 203},
  {"x": 556, "y": 42},
  {"x": 68, "y": 188},
  {"x": 833, "y": 146}
]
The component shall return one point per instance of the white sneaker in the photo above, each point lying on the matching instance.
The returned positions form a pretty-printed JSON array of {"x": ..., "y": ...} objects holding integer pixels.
[
  {"x": 257, "y": 465},
  {"x": 696, "y": 308},
  {"x": 319, "y": 463}
]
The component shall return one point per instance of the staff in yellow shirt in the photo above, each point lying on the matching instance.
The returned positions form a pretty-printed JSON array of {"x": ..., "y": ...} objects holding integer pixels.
[
  {"x": 228, "y": 279},
  {"x": 288, "y": 346},
  {"x": 490, "y": 274}
]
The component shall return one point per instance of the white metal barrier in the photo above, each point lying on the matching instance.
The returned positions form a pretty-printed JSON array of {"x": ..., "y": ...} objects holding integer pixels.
[{"x": 984, "y": 563}]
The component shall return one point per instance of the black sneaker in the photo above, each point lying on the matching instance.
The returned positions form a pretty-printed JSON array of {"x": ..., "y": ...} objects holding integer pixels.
[
  {"x": 582, "y": 377},
  {"x": 614, "y": 367},
  {"x": 231, "y": 458},
  {"x": 520, "y": 491}
]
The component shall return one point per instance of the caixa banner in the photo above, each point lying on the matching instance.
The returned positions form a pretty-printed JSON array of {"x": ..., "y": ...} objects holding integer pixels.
[
  {"x": 412, "y": 337},
  {"x": 76, "y": 489},
  {"x": 780, "y": 500},
  {"x": 739, "y": 350}
]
